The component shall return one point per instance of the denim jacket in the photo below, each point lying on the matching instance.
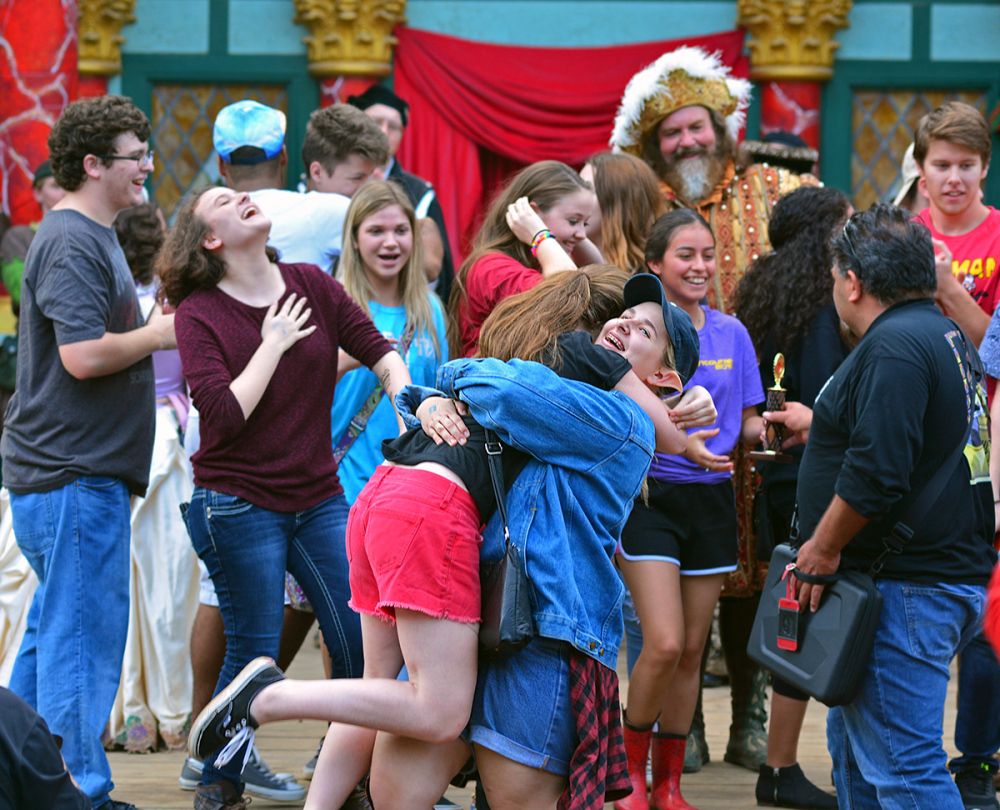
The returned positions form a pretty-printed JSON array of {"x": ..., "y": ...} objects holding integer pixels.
[{"x": 568, "y": 507}]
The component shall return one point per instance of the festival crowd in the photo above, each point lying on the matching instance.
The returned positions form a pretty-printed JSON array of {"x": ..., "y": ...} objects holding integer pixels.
[{"x": 485, "y": 479}]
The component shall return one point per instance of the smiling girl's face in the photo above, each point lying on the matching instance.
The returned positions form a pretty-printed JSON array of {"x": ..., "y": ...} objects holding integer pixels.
[
  {"x": 569, "y": 217},
  {"x": 385, "y": 242},
  {"x": 687, "y": 265},
  {"x": 639, "y": 336}
]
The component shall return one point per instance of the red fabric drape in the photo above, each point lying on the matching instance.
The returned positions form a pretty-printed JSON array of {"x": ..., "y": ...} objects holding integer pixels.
[{"x": 478, "y": 111}]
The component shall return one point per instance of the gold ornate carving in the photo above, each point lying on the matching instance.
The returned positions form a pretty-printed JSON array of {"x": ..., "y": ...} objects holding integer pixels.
[
  {"x": 350, "y": 37},
  {"x": 99, "y": 26},
  {"x": 792, "y": 39}
]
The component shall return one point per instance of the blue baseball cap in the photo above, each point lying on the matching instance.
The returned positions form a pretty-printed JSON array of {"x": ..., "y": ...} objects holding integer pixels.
[
  {"x": 645, "y": 288},
  {"x": 249, "y": 124}
]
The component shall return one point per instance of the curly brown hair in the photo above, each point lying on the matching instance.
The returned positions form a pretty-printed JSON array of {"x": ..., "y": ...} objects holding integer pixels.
[
  {"x": 90, "y": 127},
  {"x": 783, "y": 290},
  {"x": 140, "y": 233},
  {"x": 183, "y": 263}
]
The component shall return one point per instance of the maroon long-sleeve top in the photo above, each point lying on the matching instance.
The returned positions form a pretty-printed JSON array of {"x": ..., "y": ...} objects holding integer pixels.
[{"x": 281, "y": 458}]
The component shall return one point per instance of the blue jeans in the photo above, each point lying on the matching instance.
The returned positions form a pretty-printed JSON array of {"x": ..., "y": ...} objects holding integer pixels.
[
  {"x": 977, "y": 725},
  {"x": 247, "y": 550},
  {"x": 886, "y": 743},
  {"x": 76, "y": 539}
]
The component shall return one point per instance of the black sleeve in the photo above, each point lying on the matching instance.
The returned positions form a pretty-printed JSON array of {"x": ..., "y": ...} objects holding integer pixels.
[
  {"x": 580, "y": 360},
  {"x": 36, "y": 773},
  {"x": 447, "y": 274}
]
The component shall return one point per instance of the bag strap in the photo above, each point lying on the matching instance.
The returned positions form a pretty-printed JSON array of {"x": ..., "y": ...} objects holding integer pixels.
[
  {"x": 902, "y": 533},
  {"x": 494, "y": 453},
  {"x": 359, "y": 421}
]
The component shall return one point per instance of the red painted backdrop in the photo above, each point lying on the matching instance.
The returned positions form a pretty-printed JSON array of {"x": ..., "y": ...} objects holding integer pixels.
[
  {"x": 38, "y": 78},
  {"x": 479, "y": 112}
]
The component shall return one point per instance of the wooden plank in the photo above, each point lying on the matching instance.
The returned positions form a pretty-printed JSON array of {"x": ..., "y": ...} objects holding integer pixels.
[{"x": 150, "y": 780}]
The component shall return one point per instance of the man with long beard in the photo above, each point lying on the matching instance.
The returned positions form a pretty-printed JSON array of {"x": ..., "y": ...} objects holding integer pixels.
[{"x": 683, "y": 115}]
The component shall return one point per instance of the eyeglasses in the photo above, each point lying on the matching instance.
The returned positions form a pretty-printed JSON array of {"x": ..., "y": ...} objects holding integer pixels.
[{"x": 143, "y": 161}]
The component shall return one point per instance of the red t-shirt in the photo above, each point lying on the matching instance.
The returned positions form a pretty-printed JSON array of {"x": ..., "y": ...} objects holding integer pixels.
[
  {"x": 975, "y": 257},
  {"x": 281, "y": 458},
  {"x": 491, "y": 279}
]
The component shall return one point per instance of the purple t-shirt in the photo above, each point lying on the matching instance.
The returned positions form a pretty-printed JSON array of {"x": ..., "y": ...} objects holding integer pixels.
[{"x": 728, "y": 369}]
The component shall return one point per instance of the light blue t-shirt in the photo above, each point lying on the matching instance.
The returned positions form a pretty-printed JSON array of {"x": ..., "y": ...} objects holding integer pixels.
[
  {"x": 356, "y": 386},
  {"x": 728, "y": 369}
]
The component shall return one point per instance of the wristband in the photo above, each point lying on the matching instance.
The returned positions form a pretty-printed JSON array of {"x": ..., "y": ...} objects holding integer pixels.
[{"x": 540, "y": 237}]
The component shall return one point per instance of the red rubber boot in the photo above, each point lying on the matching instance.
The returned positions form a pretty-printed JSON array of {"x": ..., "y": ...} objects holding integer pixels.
[
  {"x": 668, "y": 763},
  {"x": 637, "y": 753}
]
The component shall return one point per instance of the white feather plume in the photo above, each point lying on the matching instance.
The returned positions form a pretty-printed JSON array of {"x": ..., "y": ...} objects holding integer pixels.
[{"x": 644, "y": 85}]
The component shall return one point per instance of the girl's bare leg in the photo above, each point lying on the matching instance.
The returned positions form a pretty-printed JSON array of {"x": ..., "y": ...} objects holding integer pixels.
[
  {"x": 433, "y": 705},
  {"x": 408, "y": 773},
  {"x": 346, "y": 754},
  {"x": 656, "y": 592},
  {"x": 699, "y": 594},
  {"x": 512, "y": 786}
]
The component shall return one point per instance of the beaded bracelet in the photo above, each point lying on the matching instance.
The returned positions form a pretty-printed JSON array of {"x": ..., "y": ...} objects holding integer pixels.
[{"x": 540, "y": 237}]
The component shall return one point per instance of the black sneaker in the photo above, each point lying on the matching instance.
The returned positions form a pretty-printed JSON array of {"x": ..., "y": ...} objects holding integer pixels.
[
  {"x": 111, "y": 804},
  {"x": 976, "y": 786},
  {"x": 226, "y": 722},
  {"x": 789, "y": 787}
]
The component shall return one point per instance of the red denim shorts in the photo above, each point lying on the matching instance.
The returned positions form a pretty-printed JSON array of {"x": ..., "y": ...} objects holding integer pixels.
[{"x": 413, "y": 542}]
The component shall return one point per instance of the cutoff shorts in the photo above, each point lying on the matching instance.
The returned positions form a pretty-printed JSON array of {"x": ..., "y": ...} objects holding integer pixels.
[
  {"x": 413, "y": 542},
  {"x": 523, "y": 710},
  {"x": 692, "y": 526}
]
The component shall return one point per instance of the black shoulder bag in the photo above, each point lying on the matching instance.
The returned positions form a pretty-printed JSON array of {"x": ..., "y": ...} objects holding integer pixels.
[{"x": 507, "y": 623}]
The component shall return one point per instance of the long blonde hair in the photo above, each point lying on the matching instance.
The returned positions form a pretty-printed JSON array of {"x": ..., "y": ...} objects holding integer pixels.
[{"x": 371, "y": 198}]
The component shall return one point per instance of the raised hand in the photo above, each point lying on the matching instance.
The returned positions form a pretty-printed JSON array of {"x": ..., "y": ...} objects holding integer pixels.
[
  {"x": 523, "y": 220},
  {"x": 284, "y": 327}
]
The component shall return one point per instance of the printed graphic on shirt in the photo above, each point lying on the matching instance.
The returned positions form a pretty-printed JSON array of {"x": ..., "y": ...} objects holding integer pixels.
[
  {"x": 974, "y": 272},
  {"x": 719, "y": 364},
  {"x": 977, "y": 447}
]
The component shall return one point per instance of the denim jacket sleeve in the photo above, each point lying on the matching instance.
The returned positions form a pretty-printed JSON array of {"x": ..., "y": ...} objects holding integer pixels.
[
  {"x": 408, "y": 400},
  {"x": 558, "y": 421}
]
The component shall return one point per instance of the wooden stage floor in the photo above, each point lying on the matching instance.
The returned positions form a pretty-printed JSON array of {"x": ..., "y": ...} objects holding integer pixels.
[{"x": 150, "y": 780}]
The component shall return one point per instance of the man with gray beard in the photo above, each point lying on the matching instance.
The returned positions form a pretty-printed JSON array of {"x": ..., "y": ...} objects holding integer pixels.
[{"x": 682, "y": 115}]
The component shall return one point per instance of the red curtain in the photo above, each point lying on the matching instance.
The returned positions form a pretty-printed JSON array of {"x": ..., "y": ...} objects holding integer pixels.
[{"x": 479, "y": 112}]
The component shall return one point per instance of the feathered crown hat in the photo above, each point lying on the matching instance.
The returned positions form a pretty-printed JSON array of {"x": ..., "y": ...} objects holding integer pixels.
[{"x": 680, "y": 78}]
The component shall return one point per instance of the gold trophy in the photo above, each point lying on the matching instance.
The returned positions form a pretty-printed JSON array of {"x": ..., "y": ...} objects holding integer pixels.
[{"x": 774, "y": 434}]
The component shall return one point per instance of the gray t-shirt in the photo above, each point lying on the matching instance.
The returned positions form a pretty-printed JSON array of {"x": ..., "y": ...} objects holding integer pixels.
[{"x": 77, "y": 286}]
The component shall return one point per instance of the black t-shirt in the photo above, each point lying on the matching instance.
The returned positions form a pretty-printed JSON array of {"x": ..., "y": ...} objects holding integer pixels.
[
  {"x": 578, "y": 359},
  {"x": 893, "y": 413},
  {"x": 32, "y": 773}
]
